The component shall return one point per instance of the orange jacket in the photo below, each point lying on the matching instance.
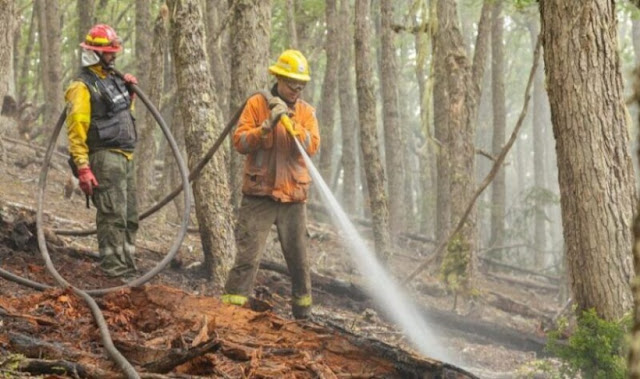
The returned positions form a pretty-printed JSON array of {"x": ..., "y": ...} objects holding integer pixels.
[{"x": 274, "y": 167}]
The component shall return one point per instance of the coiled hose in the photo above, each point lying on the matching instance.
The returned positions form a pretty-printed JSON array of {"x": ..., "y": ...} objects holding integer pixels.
[{"x": 126, "y": 367}]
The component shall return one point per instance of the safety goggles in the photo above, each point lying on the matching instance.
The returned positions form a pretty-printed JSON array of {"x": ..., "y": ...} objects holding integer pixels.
[{"x": 294, "y": 85}]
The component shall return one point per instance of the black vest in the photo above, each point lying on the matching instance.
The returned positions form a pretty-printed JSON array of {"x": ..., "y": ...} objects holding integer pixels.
[{"x": 112, "y": 124}]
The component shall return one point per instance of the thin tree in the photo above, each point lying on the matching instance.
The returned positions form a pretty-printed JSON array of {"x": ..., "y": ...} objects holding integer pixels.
[
  {"x": 540, "y": 124},
  {"x": 291, "y": 24},
  {"x": 393, "y": 129},
  {"x": 217, "y": 19},
  {"x": 499, "y": 184},
  {"x": 348, "y": 118},
  {"x": 51, "y": 62},
  {"x": 462, "y": 80},
  {"x": 250, "y": 33},
  {"x": 147, "y": 148},
  {"x": 202, "y": 125},
  {"x": 326, "y": 116},
  {"x": 597, "y": 191},
  {"x": 7, "y": 86},
  {"x": 368, "y": 135},
  {"x": 85, "y": 21}
]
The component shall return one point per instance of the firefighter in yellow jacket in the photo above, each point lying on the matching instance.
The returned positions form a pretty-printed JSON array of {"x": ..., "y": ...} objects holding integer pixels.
[
  {"x": 102, "y": 138},
  {"x": 276, "y": 182}
]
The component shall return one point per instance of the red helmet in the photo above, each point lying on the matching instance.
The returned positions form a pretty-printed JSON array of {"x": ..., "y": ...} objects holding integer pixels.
[{"x": 102, "y": 38}]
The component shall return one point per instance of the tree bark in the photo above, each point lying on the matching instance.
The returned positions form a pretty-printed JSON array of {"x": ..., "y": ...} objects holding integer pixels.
[
  {"x": 499, "y": 184},
  {"x": 201, "y": 117},
  {"x": 250, "y": 33},
  {"x": 85, "y": 22},
  {"x": 540, "y": 123},
  {"x": 441, "y": 127},
  {"x": 329, "y": 90},
  {"x": 594, "y": 166},
  {"x": 217, "y": 18},
  {"x": 463, "y": 86},
  {"x": 348, "y": 118},
  {"x": 634, "y": 346},
  {"x": 21, "y": 95},
  {"x": 7, "y": 24},
  {"x": 51, "y": 62},
  {"x": 291, "y": 24},
  {"x": 368, "y": 134},
  {"x": 393, "y": 129},
  {"x": 147, "y": 148}
]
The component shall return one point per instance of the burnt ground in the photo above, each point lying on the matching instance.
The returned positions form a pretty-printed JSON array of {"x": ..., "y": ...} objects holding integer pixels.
[{"x": 497, "y": 334}]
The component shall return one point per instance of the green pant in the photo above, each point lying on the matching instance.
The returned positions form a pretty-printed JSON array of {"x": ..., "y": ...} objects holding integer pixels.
[
  {"x": 256, "y": 215},
  {"x": 117, "y": 213}
]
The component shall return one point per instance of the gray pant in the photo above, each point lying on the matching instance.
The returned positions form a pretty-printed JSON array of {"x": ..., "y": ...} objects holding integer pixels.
[
  {"x": 117, "y": 213},
  {"x": 256, "y": 215}
]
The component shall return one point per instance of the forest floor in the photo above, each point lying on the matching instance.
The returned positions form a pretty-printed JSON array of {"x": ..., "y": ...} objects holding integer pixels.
[{"x": 497, "y": 334}]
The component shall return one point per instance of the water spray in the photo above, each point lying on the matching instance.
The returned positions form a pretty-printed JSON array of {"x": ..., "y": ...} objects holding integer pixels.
[{"x": 381, "y": 286}]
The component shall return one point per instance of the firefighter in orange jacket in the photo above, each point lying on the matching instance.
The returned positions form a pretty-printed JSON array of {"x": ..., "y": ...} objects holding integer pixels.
[
  {"x": 102, "y": 138},
  {"x": 276, "y": 182}
]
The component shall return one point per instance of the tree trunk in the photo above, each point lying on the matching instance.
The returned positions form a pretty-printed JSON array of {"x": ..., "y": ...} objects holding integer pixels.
[
  {"x": 368, "y": 135},
  {"x": 291, "y": 24},
  {"x": 329, "y": 90},
  {"x": 441, "y": 128},
  {"x": 540, "y": 123},
  {"x": 594, "y": 166},
  {"x": 635, "y": 36},
  {"x": 634, "y": 348},
  {"x": 85, "y": 22},
  {"x": 393, "y": 129},
  {"x": 463, "y": 86},
  {"x": 147, "y": 149},
  {"x": 202, "y": 124},
  {"x": 499, "y": 185},
  {"x": 51, "y": 63},
  {"x": 348, "y": 118},
  {"x": 7, "y": 85},
  {"x": 250, "y": 33},
  {"x": 21, "y": 96},
  {"x": 217, "y": 25}
]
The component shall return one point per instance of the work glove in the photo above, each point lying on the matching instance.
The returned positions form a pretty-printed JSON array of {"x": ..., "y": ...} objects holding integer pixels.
[
  {"x": 278, "y": 108},
  {"x": 87, "y": 180},
  {"x": 128, "y": 80}
]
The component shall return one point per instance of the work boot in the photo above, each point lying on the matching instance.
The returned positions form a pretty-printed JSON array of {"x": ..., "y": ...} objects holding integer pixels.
[{"x": 301, "y": 312}]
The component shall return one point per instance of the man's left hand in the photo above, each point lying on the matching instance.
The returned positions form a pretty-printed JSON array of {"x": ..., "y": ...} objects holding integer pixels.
[{"x": 130, "y": 79}]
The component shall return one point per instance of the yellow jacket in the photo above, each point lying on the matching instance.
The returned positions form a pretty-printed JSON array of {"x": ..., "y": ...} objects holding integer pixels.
[
  {"x": 78, "y": 119},
  {"x": 274, "y": 167}
]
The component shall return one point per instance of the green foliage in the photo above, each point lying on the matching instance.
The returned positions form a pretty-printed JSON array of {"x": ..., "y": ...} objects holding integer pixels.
[
  {"x": 523, "y": 4},
  {"x": 596, "y": 349}
]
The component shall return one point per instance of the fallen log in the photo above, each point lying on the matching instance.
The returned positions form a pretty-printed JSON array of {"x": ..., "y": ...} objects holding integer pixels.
[
  {"x": 480, "y": 331},
  {"x": 18, "y": 364}
]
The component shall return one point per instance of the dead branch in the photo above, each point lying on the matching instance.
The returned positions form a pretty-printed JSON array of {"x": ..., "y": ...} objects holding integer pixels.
[
  {"x": 490, "y": 176},
  {"x": 176, "y": 357}
]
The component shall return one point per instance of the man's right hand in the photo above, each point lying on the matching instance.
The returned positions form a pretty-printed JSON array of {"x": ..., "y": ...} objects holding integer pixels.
[
  {"x": 278, "y": 108},
  {"x": 87, "y": 180}
]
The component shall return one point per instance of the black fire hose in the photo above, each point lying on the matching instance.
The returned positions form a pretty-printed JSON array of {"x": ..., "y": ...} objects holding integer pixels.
[
  {"x": 193, "y": 175},
  {"x": 113, "y": 352},
  {"x": 126, "y": 367}
]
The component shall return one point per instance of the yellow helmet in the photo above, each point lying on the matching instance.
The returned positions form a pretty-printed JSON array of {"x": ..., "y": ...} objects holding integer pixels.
[{"x": 291, "y": 64}]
